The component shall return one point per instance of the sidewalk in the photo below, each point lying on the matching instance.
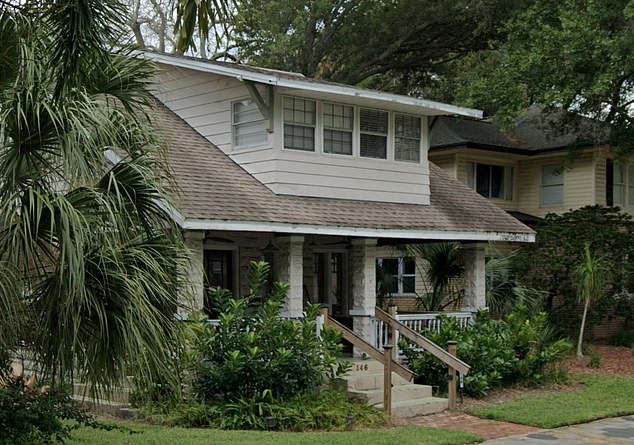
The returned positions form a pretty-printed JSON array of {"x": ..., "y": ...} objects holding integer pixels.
[{"x": 613, "y": 431}]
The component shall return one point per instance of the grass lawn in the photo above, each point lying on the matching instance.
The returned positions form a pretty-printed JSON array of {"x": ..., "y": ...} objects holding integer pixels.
[
  {"x": 181, "y": 436},
  {"x": 601, "y": 397}
]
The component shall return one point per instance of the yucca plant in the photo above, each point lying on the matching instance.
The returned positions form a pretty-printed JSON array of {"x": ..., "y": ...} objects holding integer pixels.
[
  {"x": 591, "y": 275},
  {"x": 90, "y": 262}
]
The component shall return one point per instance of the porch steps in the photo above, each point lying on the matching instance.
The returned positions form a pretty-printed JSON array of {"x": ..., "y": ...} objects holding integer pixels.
[{"x": 365, "y": 382}]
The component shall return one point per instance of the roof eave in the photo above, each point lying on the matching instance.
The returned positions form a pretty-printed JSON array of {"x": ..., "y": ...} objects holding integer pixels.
[
  {"x": 432, "y": 108},
  {"x": 305, "y": 229}
]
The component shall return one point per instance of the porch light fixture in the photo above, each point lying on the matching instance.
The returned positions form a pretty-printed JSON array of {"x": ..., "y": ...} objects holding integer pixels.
[{"x": 269, "y": 249}]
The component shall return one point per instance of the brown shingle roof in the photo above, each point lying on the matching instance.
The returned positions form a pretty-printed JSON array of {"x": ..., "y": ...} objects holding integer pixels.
[{"x": 214, "y": 187}]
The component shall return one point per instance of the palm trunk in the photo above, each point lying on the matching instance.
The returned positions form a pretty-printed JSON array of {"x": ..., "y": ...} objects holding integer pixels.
[{"x": 583, "y": 326}]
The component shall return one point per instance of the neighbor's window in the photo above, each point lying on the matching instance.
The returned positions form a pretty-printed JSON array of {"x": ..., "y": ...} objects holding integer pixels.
[
  {"x": 249, "y": 126},
  {"x": 407, "y": 138},
  {"x": 614, "y": 183},
  {"x": 373, "y": 128},
  {"x": 552, "y": 185},
  {"x": 630, "y": 186},
  {"x": 338, "y": 124},
  {"x": 491, "y": 181},
  {"x": 397, "y": 276},
  {"x": 299, "y": 124}
]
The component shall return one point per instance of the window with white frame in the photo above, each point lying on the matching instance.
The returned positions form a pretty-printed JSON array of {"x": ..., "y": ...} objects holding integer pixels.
[
  {"x": 552, "y": 185},
  {"x": 491, "y": 181},
  {"x": 630, "y": 186},
  {"x": 614, "y": 183},
  {"x": 373, "y": 126},
  {"x": 249, "y": 126},
  {"x": 407, "y": 131},
  {"x": 300, "y": 116},
  {"x": 338, "y": 127},
  {"x": 396, "y": 276}
]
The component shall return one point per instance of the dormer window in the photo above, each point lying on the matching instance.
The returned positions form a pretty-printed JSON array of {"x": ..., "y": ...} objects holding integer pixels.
[
  {"x": 299, "y": 124},
  {"x": 338, "y": 126},
  {"x": 373, "y": 129},
  {"x": 249, "y": 126},
  {"x": 407, "y": 131}
]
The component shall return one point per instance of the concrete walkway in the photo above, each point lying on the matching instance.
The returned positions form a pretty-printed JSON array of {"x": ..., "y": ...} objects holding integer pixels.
[{"x": 614, "y": 431}]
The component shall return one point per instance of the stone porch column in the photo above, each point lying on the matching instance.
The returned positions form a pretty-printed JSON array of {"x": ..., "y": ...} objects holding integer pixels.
[
  {"x": 363, "y": 267},
  {"x": 474, "y": 277},
  {"x": 194, "y": 293},
  {"x": 290, "y": 269}
]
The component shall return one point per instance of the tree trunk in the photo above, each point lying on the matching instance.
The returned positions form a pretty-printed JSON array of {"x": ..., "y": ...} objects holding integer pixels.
[{"x": 583, "y": 326}]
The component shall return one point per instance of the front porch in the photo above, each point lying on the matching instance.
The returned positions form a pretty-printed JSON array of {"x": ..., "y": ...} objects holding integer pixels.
[{"x": 336, "y": 272}]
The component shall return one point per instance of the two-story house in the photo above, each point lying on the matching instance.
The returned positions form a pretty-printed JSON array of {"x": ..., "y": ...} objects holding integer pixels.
[
  {"x": 321, "y": 179},
  {"x": 530, "y": 170}
]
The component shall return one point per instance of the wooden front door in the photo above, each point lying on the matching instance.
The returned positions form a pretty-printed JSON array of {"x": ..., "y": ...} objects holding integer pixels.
[
  {"x": 331, "y": 281},
  {"x": 218, "y": 273}
]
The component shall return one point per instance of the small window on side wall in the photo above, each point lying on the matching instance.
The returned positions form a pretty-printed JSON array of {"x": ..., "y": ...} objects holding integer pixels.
[
  {"x": 299, "y": 124},
  {"x": 615, "y": 183},
  {"x": 249, "y": 126},
  {"x": 491, "y": 181},
  {"x": 552, "y": 185}
]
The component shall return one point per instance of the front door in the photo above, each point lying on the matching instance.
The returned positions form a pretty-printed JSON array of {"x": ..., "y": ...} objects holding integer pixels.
[
  {"x": 331, "y": 283},
  {"x": 218, "y": 273}
]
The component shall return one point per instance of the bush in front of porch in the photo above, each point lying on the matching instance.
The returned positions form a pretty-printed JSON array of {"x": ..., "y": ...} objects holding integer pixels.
[
  {"x": 255, "y": 370},
  {"x": 516, "y": 349}
]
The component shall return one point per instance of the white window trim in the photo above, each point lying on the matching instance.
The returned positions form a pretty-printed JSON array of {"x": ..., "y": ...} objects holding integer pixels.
[
  {"x": 318, "y": 123},
  {"x": 323, "y": 128},
  {"x": 420, "y": 138},
  {"x": 243, "y": 148},
  {"x": 356, "y": 132},
  {"x": 508, "y": 182},
  {"x": 401, "y": 275},
  {"x": 563, "y": 186}
]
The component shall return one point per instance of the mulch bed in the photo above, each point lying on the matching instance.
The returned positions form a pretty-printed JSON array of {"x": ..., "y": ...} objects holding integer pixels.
[{"x": 615, "y": 361}]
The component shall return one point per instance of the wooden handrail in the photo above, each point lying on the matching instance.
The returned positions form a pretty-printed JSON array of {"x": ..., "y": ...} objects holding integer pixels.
[
  {"x": 366, "y": 347},
  {"x": 428, "y": 345}
]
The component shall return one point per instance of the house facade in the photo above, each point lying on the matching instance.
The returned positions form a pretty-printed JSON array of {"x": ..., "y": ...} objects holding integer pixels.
[
  {"x": 324, "y": 181},
  {"x": 530, "y": 171}
]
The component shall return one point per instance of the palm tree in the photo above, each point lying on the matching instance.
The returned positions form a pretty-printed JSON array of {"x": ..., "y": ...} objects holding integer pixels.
[
  {"x": 90, "y": 260},
  {"x": 591, "y": 275}
]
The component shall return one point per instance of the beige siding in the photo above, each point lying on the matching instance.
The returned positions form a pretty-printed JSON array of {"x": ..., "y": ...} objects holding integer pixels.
[
  {"x": 600, "y": 172},
  {"x": 447, "y": 163},
  {"x": 204, "y": 101}
]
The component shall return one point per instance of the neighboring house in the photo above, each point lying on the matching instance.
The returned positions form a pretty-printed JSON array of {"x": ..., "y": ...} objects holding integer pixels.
[
  {"x": 530, "y": 170},
  {"x": 322, "y": 180}
]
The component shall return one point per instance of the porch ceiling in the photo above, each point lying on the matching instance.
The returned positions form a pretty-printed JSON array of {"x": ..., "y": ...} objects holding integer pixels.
[{"x": 217, "y": 194}]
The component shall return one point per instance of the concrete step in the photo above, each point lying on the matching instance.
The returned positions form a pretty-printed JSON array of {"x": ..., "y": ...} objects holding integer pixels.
[
  {"x": 420, "y": 407},
  {"x": 116, "y": 395},
  {"x": 400, "y": 393},
  {"x": 368, "y": 366},
  {"x": 367, "y": 381}
]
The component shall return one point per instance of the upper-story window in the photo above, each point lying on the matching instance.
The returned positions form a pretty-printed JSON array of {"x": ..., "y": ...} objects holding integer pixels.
[
  {"x": 249, "y": 126},
  {"x": 338, "y": 127},
  {"x": 407, "y": 131},
  {"x": 300, "y": 116},
  {"x": 491, "y": 181},
  {"x": 614, "y": 183},
  {"x": 374, "y": 130},
  {"x": 552, "y": 185}
]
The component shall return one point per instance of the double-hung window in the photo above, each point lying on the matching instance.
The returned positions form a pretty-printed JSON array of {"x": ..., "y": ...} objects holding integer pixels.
[
  {"x": 552, "y": 185},
  {"x": 397, "y": 276},
  {"x": 615, "y": 183},
  {"x": 407, "y": 131},
  {"x": 249, "y": 126},
  {"x": 630, "y": 186},
  {"x": 299, "y": 124},
  {"x": 373, "y": 133},
  {"x": 338, "y": 126},
  {"x": 491, "y": 181}
]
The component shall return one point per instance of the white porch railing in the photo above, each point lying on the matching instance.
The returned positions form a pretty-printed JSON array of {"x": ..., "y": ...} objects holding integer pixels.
[{"x": 419, "y": 323}]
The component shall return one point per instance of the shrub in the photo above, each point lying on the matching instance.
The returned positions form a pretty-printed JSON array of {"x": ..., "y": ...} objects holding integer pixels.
[
  {"x": 328, "y": 410},
  {"x": 623, "y": 338},
  {"x": 253, "y": 351},
  {"x": 32, "y": 416},
  {"x": 516, "y": 349}
]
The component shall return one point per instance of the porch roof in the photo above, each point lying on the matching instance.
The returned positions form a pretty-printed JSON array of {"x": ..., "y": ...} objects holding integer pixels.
[{"x": 215, "y": 193}]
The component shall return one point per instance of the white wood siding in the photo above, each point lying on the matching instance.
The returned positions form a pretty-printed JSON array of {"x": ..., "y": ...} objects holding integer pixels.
[{"x": 204, "y": 101}]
